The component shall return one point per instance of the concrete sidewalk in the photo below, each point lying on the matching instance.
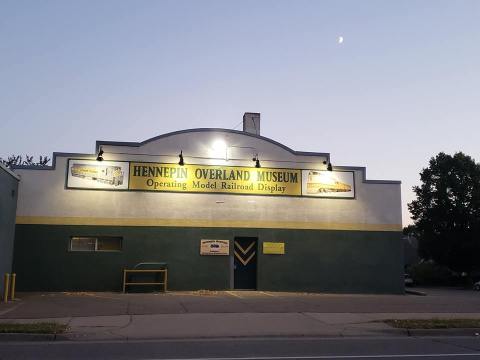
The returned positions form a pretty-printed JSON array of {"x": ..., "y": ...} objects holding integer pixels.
[
  {"x": 113, "y": 316},
  {"x": 184, "y": 326},
  {"x": 85, "y": 304}
]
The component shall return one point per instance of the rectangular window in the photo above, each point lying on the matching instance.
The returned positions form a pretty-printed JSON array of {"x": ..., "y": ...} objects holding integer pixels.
[
  {"x": 83, "y": 244},
  {"x": 100, "y": 243},
  {"x": 109, "y": 243}
]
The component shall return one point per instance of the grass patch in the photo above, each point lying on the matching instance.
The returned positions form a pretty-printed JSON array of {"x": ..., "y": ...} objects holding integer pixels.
[
  {"x": 33, "y": 328},
  {"x": 434, "y": 323}
]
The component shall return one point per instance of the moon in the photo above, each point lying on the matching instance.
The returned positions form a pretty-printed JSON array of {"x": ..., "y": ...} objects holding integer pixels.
[{"x": 340, "y": 39}]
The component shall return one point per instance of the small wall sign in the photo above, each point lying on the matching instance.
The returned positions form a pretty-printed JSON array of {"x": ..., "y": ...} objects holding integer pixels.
[
  {"x": 276, "y": 248},
  {"x": 214, "y": 247}
]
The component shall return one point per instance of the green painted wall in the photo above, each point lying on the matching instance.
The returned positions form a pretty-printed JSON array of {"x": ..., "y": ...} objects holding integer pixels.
[
  {"x": 8, "y": 206},
  {"x": 315, "y": 260}
]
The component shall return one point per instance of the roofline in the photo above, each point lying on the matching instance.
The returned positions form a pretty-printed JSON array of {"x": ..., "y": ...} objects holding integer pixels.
[
  {"x": 238, "y": 132},
  {"x": 99, "y": 143},
  {"x": 54, "y": 161},
  {"x": 9, "y": 172},
  {"x": 363, "y": 170}
]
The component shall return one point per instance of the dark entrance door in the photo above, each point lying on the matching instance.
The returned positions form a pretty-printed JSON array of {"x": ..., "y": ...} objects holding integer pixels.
[{"x": 245, "y": 263}]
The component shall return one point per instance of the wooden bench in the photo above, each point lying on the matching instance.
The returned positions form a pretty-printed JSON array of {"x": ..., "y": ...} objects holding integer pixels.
[{"x": 126, "y": 272}]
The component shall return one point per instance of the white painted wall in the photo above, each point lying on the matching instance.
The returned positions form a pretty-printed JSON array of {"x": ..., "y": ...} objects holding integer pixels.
[{"x": 42, "y": 193}]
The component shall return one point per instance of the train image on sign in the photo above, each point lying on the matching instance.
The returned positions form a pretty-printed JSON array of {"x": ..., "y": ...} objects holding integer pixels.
[
  {"x": 112, "y": 175},
  {"x": 325, "y": 182}
]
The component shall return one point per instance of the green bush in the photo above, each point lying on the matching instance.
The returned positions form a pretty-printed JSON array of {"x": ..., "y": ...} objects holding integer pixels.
[{"x": 429, "y": 273}]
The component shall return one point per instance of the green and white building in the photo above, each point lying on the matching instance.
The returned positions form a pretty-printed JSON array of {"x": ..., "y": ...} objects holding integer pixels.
[{"x": 224, "y": 209}]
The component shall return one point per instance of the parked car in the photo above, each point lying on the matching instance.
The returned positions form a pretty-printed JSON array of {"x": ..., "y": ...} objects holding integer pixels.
[
  {"x": 408, "y": 280},
  {"x": 476, "y": 286}
]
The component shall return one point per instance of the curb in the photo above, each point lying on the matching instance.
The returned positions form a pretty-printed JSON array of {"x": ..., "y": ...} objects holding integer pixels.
[
  {"x": 415, "y": 292},
  {"x": 26, "y": 337},
  {"x": 12, "y": 337},
  {"x": 444, "y": 332},
  {"x": 391, "y": 332}
]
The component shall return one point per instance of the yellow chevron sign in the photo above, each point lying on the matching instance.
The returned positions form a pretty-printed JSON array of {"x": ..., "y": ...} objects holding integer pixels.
[
  {"x": 242, "y": 254},
  {"x": 244, "y": 261}
]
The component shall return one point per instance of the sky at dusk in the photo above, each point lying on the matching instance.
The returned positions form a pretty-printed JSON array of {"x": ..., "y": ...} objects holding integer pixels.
[{"x": 402, "y": 86}]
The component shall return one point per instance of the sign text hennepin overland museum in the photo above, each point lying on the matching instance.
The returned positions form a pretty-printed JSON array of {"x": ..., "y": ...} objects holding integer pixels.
[{"x": 194, "y": 178}]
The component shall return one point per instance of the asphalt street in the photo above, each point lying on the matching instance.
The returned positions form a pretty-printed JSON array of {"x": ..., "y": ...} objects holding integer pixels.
[{"x": 451, "y": 348}]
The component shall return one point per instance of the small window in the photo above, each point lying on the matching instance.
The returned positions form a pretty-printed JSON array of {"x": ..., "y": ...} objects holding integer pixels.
[
  {"x": 83, "y": 244},
  {"x": 101, "y": 243},
  {"x": 109, "y": 243}
]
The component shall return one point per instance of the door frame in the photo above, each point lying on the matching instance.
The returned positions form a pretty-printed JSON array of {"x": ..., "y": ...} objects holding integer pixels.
[{"x": 232, "y": 262}]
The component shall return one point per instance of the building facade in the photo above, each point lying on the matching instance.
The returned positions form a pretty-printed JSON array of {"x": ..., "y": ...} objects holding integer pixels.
[
  {"x": 224, "y": 209},
  {"x": 8, "y": 203}
]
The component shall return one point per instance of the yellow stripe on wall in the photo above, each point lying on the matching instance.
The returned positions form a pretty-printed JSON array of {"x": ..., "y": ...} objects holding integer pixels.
[{"x": 50, "y": 220}]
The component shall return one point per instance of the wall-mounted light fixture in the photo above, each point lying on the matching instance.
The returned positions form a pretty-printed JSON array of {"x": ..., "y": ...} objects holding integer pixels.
[
  {"x": 180, "y": 162},
  {"x": 100, "y": 154},
  {"x": 257, "y": 162},
  {"x": 329, "y": 166}
]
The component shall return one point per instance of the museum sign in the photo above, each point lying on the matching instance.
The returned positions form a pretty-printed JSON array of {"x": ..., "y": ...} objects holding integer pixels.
[{"x": 164, "y": 177}]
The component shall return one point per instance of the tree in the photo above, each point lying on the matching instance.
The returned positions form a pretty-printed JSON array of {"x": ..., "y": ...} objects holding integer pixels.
[
  {"x": 446, "y": 212},
  {"x": 14, "y": 160},
  {"x": 410, "y": 230}
]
